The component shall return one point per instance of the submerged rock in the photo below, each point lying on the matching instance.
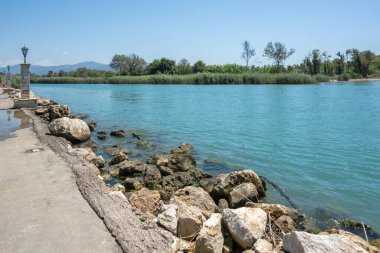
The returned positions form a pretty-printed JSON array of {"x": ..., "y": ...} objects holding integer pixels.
[
  {"x": 183, "y": 149},
  {"x": 245, "y": 225},
  {"x": 74, "y": 130},
  {"x": 101, "y": 135},
  {"x": 92, "y": 125},
  {"x": 210, "y": 238},
  {"x": 116, "y": 150},
  {"x": 118, "y": 158},
  {"x": 118, "y": 133},
  {"x": 144, "y": 144}
]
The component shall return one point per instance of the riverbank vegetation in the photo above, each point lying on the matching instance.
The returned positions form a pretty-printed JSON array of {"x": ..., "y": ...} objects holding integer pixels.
[{"x": 317, "y": 66}]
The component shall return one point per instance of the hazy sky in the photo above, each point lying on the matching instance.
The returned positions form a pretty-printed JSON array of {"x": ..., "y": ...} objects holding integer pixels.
[{"x": 71, "y": 31}]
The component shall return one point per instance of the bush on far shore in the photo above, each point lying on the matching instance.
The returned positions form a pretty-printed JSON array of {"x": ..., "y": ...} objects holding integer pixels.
[{"x": 201, "y": 78}]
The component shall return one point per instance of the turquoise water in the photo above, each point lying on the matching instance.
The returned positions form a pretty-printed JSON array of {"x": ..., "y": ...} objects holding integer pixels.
[{"x": 320, "y": 143}]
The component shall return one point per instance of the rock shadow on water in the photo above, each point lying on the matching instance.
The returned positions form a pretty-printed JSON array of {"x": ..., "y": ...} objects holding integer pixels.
[
  {"x": 322, "y": 219},
  {"x": 12, "y": 120}
]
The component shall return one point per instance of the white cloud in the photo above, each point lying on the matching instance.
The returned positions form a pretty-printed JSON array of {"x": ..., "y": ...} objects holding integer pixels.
[
  {"x": 43, "y": 63},
  {"x": 66, "y": 53},
  {"x": 9, "y": 62}
]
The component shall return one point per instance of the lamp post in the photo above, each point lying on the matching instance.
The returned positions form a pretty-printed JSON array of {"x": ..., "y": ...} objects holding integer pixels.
[
  {"x": 24, "y": 52},
  {"x": 25, "y": 75}
]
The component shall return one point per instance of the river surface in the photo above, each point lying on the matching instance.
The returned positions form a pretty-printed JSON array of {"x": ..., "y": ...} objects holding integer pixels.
[{"x": 320, "y": 143}]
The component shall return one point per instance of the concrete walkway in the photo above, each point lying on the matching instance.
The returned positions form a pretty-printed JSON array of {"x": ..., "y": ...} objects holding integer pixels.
[{"x": 41, "y": 208}]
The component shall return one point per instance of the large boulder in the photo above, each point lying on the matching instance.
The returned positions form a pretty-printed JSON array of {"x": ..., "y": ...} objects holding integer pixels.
[
  {"x": 190, "y": 221},
  {"x": 241, "y": 194},
  {"x": 195, "y": 196},
  {"x": 146, "y": 200},
  {"x": 221, "y": 185},
  {"x": 245, "y": 225},
  {"x": 127, "y": 168},
  {"x": 74, "y": 130},
  {"x": 58, "y": 111},
  {"x": 210, "y": 238},
  {"x": 168, "y": 218},
  {"x": 356, "y": 239},
  {"x": 303, "y": 242}
]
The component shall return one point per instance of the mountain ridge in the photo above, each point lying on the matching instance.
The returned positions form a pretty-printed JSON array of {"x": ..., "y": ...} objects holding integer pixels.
[{"x": 43, "y": 70}]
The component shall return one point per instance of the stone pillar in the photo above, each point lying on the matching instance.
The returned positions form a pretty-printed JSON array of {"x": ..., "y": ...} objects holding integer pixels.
[
  {"x": 8, "y": 80},
  {"x": 25, "y": 80}
]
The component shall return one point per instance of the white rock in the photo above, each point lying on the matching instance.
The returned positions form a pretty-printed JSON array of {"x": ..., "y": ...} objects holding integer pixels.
[
  {"x": 263, "y": 246},
  {"x": 210, "y": 238},
  {"x": 246, "y": 225},
  {"x": 74, "y": 130},
  {"x": 168, "y": 219},
  {"x": 303, "y": 242}
]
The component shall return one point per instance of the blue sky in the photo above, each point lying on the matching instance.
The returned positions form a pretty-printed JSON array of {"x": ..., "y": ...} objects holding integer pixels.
[{"x": 71, "y": 31}]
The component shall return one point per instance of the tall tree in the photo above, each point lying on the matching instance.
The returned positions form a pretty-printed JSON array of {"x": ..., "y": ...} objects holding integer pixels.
[
  {"x": 183, "y": 67},
  {"x": 119, "y": 62},
  {"x": 248, "y": 53},
  {"x": 199, "y": 67},
  {"x": 134, "y": 65},
  {"x": 278, "y": 53}
]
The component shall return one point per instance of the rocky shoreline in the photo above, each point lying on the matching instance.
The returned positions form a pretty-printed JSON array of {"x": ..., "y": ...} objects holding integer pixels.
[{"x": 167, "y": 204}]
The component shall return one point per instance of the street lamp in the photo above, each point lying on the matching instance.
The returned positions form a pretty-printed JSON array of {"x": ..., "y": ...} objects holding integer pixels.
[
  {"x": 8, "y": 67},
  {"x": 24, "y": 52}
]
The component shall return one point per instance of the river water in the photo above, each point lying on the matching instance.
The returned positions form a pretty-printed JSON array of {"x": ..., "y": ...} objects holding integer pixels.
[{"x": 320, "y": 143}]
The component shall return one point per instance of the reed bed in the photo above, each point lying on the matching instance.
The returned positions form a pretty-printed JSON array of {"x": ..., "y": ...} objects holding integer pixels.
[{"x": 201, "y": 78}]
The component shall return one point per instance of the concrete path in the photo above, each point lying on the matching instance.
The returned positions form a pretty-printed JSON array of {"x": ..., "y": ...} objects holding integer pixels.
[
  {"x": 41, "y": 208},
  {"x": 5, "y": 101}
]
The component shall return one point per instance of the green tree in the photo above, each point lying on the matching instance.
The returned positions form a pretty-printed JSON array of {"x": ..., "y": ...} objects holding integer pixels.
[
  {"x": 134, "y": 65},
  {"x": 161, "y": 66},
  {"x": 278, "y": 53},
  {"x": 119, "y": 62},
  {"x": 248, "y": 53},
  {"x": 184, "y": 67},
  {"x": 199, "y": 67}
]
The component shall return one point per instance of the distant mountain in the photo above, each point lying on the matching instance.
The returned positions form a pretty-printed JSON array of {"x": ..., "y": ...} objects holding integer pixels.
[{"x": 43, "y": 70}]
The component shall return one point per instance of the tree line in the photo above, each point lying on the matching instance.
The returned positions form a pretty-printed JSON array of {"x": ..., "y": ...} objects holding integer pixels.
[{"x": 352, "y": 63}]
